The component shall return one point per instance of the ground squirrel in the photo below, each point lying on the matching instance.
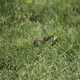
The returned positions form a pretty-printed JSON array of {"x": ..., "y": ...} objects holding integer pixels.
[{"x": 52, "y": 39}]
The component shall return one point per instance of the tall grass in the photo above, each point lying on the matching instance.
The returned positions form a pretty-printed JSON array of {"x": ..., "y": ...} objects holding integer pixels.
[{"x": 22, "y": 23}]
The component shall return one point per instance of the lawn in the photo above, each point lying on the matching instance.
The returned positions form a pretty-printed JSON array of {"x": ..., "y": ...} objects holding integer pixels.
[{"x": 40, "y": 40}]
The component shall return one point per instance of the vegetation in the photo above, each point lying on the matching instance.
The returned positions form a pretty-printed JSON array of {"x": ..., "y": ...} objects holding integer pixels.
[{"x": 39, "y": 40}]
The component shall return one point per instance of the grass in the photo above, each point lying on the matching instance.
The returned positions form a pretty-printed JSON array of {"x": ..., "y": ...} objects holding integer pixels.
[{"x": 22, "y": 23}]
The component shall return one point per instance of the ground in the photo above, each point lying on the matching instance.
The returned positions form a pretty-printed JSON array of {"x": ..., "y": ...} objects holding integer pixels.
[{"x": 22, "y": 23}]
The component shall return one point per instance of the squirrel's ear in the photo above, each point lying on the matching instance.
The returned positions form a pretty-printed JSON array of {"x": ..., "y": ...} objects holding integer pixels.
[{"x": 54, "y": 41}]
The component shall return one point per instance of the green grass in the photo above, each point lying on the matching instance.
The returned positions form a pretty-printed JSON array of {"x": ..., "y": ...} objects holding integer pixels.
[{"x": 22, "y": 23}]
